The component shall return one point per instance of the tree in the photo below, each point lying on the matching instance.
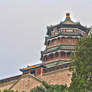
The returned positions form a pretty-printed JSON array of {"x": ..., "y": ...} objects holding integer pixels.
[
  {"x": 82, "y": 66},
  {"x": 38, "y": 89},
  {"x": 50, "y": 88}
]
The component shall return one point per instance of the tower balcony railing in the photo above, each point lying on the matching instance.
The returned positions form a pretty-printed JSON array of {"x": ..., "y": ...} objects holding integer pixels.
[
  {"x": 62, "y": 43},
  {"x": 72, "y": 33},
  {"x": 65, "y": 34},
  {"x": 64, "y": 57},
  {"x": 57, "y": 59}
]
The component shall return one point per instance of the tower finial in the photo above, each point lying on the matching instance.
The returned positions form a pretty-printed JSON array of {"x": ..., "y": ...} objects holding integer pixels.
[{"x": 67, "y": 15}]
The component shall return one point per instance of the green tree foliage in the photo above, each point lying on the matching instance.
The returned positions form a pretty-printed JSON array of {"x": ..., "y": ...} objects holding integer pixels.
[
  {"x": 82, "y": 66},
  {"x": 8, "y": 91},
  {"x": 50, "y": 88}
]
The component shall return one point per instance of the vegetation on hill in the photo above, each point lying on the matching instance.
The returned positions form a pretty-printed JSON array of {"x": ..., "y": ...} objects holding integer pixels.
[
  {"x": 8, "y": 91},
  {"x": 50, "y": 88}
]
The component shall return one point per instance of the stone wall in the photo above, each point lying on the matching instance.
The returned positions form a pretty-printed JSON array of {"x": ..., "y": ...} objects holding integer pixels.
[
  {"x": 5, "y": 86},
  {"x": 27, "y": 82},
  {"x": 62, "y": 76}
]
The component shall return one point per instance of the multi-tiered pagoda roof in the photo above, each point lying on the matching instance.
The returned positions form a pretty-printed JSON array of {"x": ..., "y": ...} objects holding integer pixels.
[
  {"x": 61, "y": 41},
  {"x": 67, "y": 23}
]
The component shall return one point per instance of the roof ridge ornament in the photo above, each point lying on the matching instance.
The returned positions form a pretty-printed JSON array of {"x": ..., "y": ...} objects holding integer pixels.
[
  {"x": 67, "y": 15},
  {"x": 68, "y": 19}
]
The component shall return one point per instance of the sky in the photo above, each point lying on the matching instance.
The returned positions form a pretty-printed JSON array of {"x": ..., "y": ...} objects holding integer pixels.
[{"x": 23, "y": 26}]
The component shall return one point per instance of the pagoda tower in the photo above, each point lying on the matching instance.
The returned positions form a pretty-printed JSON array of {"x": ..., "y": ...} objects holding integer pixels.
[{"x": 60, "y": 41}]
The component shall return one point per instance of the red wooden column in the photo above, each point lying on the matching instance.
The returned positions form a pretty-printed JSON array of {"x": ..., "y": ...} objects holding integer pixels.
[
  {"x": 41, "y": 71},
  {"x": 59, "y": 54},
  {"x": 42, "y": 58},
  {"x": 61, "y": 39}
]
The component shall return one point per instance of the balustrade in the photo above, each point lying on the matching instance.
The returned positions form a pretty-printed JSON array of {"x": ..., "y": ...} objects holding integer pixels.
[{"x": 56, "y": 55}]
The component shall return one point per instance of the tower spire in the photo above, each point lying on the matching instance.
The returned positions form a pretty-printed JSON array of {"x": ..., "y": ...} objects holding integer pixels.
[
  {"x": 67, "y": 15},
  {"x": 68, "y": 19}
]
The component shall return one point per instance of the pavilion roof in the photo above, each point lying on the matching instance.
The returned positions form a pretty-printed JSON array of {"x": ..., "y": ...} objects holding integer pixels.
[
  {"x": 65, "y": 34},
  {"x": 60, "y": 47},
  {"x": 56, "y": 63},
  {"x": 31, "y": 67},
  {"x": 67, "y": 23}
]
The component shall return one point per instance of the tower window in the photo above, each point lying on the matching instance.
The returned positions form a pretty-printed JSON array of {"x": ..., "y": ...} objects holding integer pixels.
[
  {"x": 58, "y": 38},
  {"x": 48, "y": 43},
  {"x": 56, "y": 54},
  {"x": 63, "y": 54},
  {"x": 68, "y": 54},
  {"x": 51, "y": 55},
  {"x": 45, "y": 58},
  {"x": 63, "y": 39},
  {"x": 53, "y": 40},
  {"x": 32, "y": 72}
]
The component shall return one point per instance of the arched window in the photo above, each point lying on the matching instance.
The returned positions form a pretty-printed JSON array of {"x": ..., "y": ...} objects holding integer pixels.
[
  {"x": 63, "y": 38},
  {"x": 58, "y": 38},
  {"x": 53, "y": 40},
  {"x": 56, "y": 54},
  {"x": 51, "y": 55},
  {"x": 48, "y": 43},
  {"x": 62, "y": 54},
  {"x": 68, "y": 54},
  {"x": 45, "y": 70},
  {"x": 45, "y": 58},
  {"x": 32, "y": 72}
]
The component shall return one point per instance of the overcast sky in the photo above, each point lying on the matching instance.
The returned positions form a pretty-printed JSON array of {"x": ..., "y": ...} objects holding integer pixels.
[{"x": 23, "y": 27}]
